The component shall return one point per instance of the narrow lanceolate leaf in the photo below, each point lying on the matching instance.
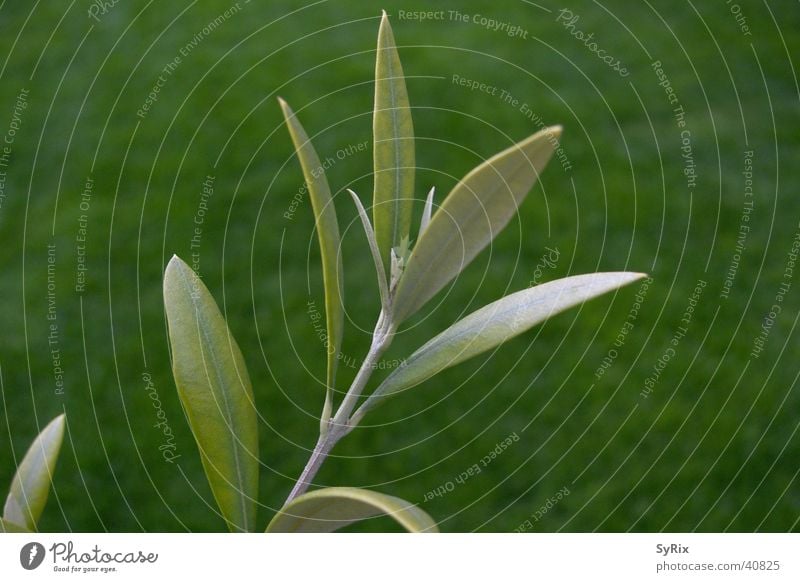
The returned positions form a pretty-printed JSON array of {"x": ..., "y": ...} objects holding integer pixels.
[
  {"x": 327, "y": 510},
  {"x": 31, "y": 484},
  {"x": 215, "y": 390},
  {"x": 383, "y": 287},
  {"x": 427, "y": 211},
  {"x": 393, "y": 132},
  {"x": 474, "y": 212},
  {"x": 328, "y": 235},
  {"x": 9, "y": 527},
  {"x": 492, "y": 325}
]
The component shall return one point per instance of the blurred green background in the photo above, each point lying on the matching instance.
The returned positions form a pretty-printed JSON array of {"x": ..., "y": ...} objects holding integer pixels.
[{"x": 713, "y": 447}]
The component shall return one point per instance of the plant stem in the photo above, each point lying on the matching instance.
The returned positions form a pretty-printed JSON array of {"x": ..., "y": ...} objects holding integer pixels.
[
  {"x": 339, "y": 425},
  {"x": 318, "y": 455}
]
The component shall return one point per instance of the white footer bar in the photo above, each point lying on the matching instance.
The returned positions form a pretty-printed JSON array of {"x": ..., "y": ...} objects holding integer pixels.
[{"x": 389, "y": 557}]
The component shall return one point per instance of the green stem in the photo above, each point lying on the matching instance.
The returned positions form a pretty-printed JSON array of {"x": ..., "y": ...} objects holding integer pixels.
[{"x": 339, "y": 425}]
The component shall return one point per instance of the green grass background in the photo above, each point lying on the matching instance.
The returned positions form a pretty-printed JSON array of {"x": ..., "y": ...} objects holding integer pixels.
[{"x": 715, "y": 447}]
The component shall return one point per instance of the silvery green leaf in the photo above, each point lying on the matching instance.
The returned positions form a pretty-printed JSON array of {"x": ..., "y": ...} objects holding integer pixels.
[
  {"x": 215, "y": 390},
  {"x": 426, "y": 213},
  {"x": 393, "y": 133},
  {"x": 326, "y": 510},
  {"x": 329, "y": 241},
  {"x": 10, "y": 527},
  {"x": 492, "y": 325},
  {"x": 31, "y": 483},
  {"x": 474, "y": 212},
  {"x": 373, "y": 247}
]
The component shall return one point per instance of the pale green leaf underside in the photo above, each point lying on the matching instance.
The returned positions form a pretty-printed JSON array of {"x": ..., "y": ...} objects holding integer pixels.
[
  {"x": 30, "y": 486},
  {"x": 427, "y": 212},
  {"x": 474, "y": 212},
  {"x": 373, "y": 247},
  {"x": 492, "y": 325},
  {"x": 326, "y": 510},
  {"x": 215, "y": 390},
  {"x": 329, "y": 242},
  {"x": 393, "y": 133},
  {"x": 10, "y": 527}
]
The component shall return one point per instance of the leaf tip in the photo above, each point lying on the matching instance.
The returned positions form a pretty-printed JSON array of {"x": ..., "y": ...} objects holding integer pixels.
[
  {"x": 284, "y": 106},
  {"x": 553, "y": 133},
  {"x": 385, "y": 33},
  {"x": 176, "y": 269},
  {"x": 628, "y": 277},
  {"x": 175, "y": 264},
  {"x": 59, "y": 421},
  {"x": 56, "y": 428},
  {"x": 57, "y": 425},
  {"x": 634, "y": 275}
]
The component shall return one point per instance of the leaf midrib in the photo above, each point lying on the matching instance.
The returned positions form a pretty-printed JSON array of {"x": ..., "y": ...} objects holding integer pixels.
[
  {"x": 388, "y": 57},
  {"x": 202, "y": 324}
]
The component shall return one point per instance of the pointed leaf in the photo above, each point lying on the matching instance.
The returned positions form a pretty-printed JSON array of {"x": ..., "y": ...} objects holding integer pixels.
[
  {"x": 426, "y": 212},
  {"x": 326, "y": 510},
  {"x": 215, "y": 390},
  {"x": 373, "y": 247},
  {"x": 492, "y": 325},
  {"x": 474, "y": 212},
  {"x": 31, "y": 483},
  {"x": 393, "y": 133},
  {"x": 329, "y": 241},
  {"x": 10, "y": 527}
]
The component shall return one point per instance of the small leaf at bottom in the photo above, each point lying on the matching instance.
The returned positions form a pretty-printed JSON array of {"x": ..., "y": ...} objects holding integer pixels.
[{"x": 327, "y": 510}]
